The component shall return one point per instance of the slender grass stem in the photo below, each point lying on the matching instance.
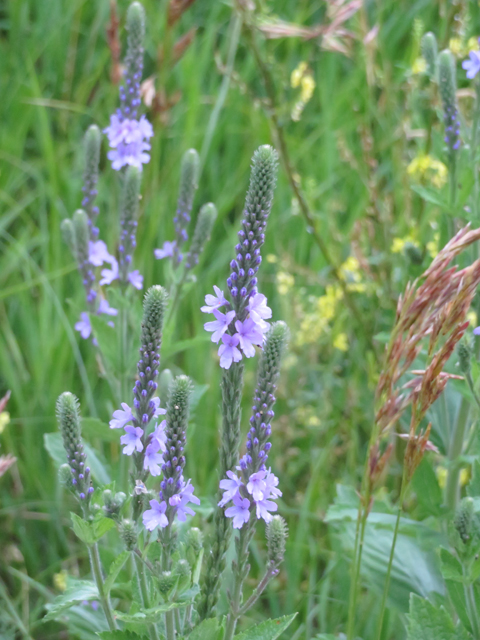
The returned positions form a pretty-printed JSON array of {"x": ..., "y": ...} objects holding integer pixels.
[
  {"x": 98, "y": 577},
  {"x": 13, "y": 613},
  {"x": 473, "y": 149},
  {"x": 455, "y": 450},
  {"x": 142, "y": 581}
]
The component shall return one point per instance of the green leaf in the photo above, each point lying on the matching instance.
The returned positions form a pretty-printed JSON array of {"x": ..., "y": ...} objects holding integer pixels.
[
  {"x": 101, "y": 526},
  {"x": 120, "y": 635},
  {"x": 430, "y": 195},
  {"x": 82, "y": 529},
  {"x": 473, "y": 489},
  {"x": 268, "y": 630},
  {"x": 53, "y": 444},
  {"x": 426, "y": 622},
  {"x": 95, "y": 428},
  {"x": 148, "y": 616},
  {"x": 81, "y": 590},
  {"x": 209, "y": 629},
  {"x": 115, "y": 569},
  {"x": 451, "y": 567}
]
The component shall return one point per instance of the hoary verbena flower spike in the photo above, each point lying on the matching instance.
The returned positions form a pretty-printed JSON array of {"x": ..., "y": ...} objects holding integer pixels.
[
  {"x": 68, "y": 416},
  {"x": 448, "y": 87}
]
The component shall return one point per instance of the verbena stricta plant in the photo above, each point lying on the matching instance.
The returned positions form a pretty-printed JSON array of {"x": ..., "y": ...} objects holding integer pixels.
[{"x": 174, "y": 577}]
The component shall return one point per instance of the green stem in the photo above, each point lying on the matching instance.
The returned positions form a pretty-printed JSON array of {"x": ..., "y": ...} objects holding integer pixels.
[
  {"x": 390, "y": 559},
  {"x": 170, "y": 625},
  {"x": 452, "y": 196},
  {"x": 13, "y": 613},
  {"x": 269, "y": 574},
  {"x": 142, "y": 581},
  {"x": 473, "y": 148},
  {"x": 471, "y": 607},
  {"x": 455, "y": 450},
  {"x": 98, "y": 577},
  {"x": 240, "y": 572}
]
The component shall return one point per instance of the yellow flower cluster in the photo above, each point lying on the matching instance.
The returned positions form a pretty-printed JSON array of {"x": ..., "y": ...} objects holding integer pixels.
[
  {"x": 285, "y": 282},
  {"x": 424, "y": 168},
  {"x": 441, "y": 473},
  {"x": 433, "y": 246},
  {"x": 398, "y": 244},
  {"x": 460, "y": 49},
  {"x": 302, "y": 77},
  {"x": 60, "y": 580},
  {"x": 350, "y": 272},
  {"x": 419, "y": 66},
  {"x": 4, "y": 420}
]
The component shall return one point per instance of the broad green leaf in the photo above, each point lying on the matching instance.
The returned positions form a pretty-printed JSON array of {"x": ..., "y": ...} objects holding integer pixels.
[
  {"x": 120, "y": 635},
  {"x": 148, "y": 616},
  {"x": 268, "y": 630},
  {"x": 426, "y": 622},
  {"x": 427, "y": 489},
  {"x": 53, "y": 444},
  {"x": 451, "y": 567},
  {"x": 430, "y": 195},
  {"x": 95, "y": 428},
  {"x": 82, "y": 529},
  {"x": 77, "y": 593},
  {"x": 101, "y": 526},
  {"x": 456, "y": 591},
  {"x": 115, "y": 569},
  {"x": 207, "y": 630}
]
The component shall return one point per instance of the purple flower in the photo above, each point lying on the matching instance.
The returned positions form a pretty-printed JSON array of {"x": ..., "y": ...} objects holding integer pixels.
[
  {"x": 214, "y": 302},
  {"x": 240, "y": 512},
  {"x": 256, "y": 485},
  {"x": 83, "y": 325},
  {"x": 249, "y": 334},
  {"x": 136, "y": 279},
  {"x": 263, "y": 508},
  {"x": 121, "y": 417},
  {"x": 158, "y": 410},
  {"x": 109, "y": 275},
  {"x": 220, "y": 325},
  {"x": 128, "y": 141},
  {"x": 271, "y": 484},
  {"x": 159, "y": 432},
  {"x": 153, "y": 458},
  {"x": 181, "y": 499},
  {"x": 166, "y": 251},
  {"x": 132, "y": 440},
  {"x": 230, "y": 488},
  {"x": 155, "y": 517},
  {"x": 228, "y": 351},
  {"x": 257, "y": 307},
  {"x": 105, "y": 308},
  {"x": 472, "y": 66},
  {"x": 98, "y": 253},
  {"x": 476, "y": 331}
]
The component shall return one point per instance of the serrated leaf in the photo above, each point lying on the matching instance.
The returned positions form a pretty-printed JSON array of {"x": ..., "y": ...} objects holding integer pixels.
[
  {"x": 426, "y": 622},
  {"x": 82, "y": 529},
  {"x": 101, "y": 526},
  {"x": 451, "y": 567},
  {"x": 53, "y": 444},
  {"x": 149, "y": 616},
  {"x": 120, "y": 635},
  {"x": 268, "y": 630},
  {"x": 115, "y": 569},
  {"x": 206, "y": 630},
  {"x": 77, "y": 593}
]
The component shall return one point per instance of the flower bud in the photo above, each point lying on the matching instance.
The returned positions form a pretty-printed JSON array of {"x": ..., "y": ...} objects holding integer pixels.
[
  {"x": 277, "y": 533},
  {"x": 128, "y": 534},
  {"x": 429, "y": 49},
  {"x": 464, "y": 357},
  {"x": 68, "y": 234},
  {"x": 154, "y": 306},
  {"x": 65, "y": 476},
  {"x": 167, "y": 582},
  {"x": 194, "y": 539},
  {"x": 82, "y": 235},
  {"x": 463, "y": 519},
  {"x": 203, "y": 228}
]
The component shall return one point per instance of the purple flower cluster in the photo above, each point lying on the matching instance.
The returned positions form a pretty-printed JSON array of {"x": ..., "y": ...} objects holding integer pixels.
[
  {"x": 259, "y": 489},
  {"x": 156, "y": 515},
  {"x": 128, "y": 139},
  {"x": 236, "y": 334},
  {"x": 452, "y": 127}
]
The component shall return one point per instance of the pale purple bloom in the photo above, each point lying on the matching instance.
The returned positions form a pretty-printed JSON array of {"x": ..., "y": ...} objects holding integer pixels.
[
  {"x": 109, "y": 275},
  {"x": 132, "y": 440},
  {"x": 214, "y": 302},
  {"x": 257, "y": 307},
  {"x": 248, "y": 334},
  {"x": 230, "y": 488},
  {"x": 256, "y": 485},
  {"x": 476, "y": 331},
  {"x": 158, "y": 409},
  {"x": 83, "y": 325},
  {"x": 263, "y": 508},
  {"x": 271, "y": 484},
  {"x": 153, "y": 458},
  {"x": 472, "y": 66},
  {"x": 98, "y": 253},
  {"x": 228, "y": 351},
  {"x": 166, "y": 251},
  {"x": 121, "y": 417},
  {"x": 220, "y": 325},
  {"x": 105, "y": 308},
  {"x": 155, "y": 517},
  {"x": 240, "y": 512},
  {"x": 181, "y": 499},
  {"x": 128, "y": 140},
  {"x": 139, "y": 488},
  {"x": 136, "y": 279}
]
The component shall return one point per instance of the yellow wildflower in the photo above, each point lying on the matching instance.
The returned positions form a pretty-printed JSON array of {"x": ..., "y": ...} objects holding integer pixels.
[
  {"x": 472, "y": 318},
  {"x": 4, "y": 420},
  {"x": 308, "y": 87},
  {"x": 419, "y": 66},
  {"x": 313, "y": 421},
  {"x": 442, "y": 477},
  {"x": 457, "y": 47},
  {"x": 433, "y": 245},
  {"x": 341, "y": 342},
  {"x": 285, "y": 282},
  {"x": 398, "y": 244},
  {"x": 472, "y": 44},
  {"x": 272, "y": 258},
  {"x": 327, "y": 304},
  {"x": 60, "y": 580},
  {"x": 351, "y": 272},
  {"x": 425, "y": 168},
  {"x": 297, "y": 74}
]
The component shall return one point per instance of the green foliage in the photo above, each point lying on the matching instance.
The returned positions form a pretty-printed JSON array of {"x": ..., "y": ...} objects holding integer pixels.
[
  {"x": 268, "y": 630},
  {"x": 426, "y": 622},
  {"x": 79, "y": 591}
]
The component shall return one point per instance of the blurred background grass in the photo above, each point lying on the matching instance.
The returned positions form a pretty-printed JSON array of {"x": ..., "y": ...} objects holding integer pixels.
[{"x": 367, "y": 118}]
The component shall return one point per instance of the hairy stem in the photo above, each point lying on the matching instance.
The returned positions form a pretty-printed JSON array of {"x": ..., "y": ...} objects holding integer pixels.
[
  {"x": 142, "y": 581},
  {"x": 241, "y": 569},
  {"x": 98, "y": 577}
]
